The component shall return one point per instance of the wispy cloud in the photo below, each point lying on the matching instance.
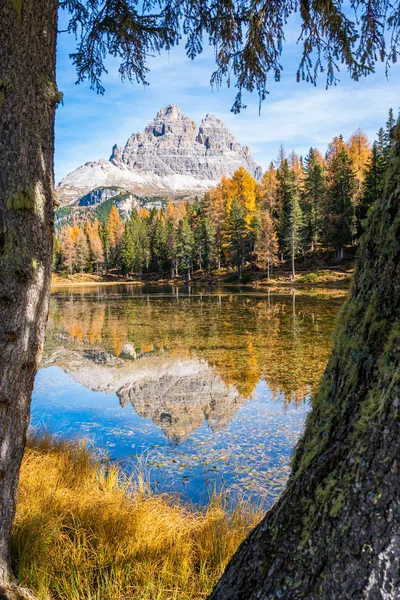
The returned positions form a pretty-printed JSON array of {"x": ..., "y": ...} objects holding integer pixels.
[{"x": 297, "y": 115}]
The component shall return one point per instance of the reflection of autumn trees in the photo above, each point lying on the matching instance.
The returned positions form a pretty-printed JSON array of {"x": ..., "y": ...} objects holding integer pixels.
[{"x": 284, "y": 340}]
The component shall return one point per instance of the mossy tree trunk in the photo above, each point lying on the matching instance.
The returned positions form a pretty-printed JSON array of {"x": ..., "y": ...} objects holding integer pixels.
[
  {"x": 28, "y": 97},
  {"x": 335, "y": 532}
]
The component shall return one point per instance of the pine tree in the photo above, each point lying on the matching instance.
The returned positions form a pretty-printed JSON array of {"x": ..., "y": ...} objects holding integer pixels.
[
  {"x": 237, "y": 235},
  {"x": 185, "y": 247},
  {"x": 127, "y": 251},
  {"x": 373, "y": 183},
  {"x": 390, "y": 123},
  {"x": 207, "y": 243},
  {"x": 171, "y": 232},
  {"x": 340, "y": 214},
  {"x": 313, "y": 193},
  {"x": 294, "y": 231},
  {"x": 287, "y": 190},
  {"x": 82, "y": 251},
  {"x": 159, "y": 244},
  {"x": 266, "y": 246}
]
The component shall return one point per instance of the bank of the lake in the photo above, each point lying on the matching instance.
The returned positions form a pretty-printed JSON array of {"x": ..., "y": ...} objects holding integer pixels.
[{"x": 305, "y": 278}]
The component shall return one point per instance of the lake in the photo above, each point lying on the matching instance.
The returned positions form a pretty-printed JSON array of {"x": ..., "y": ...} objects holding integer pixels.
[{"x": 203, "y": 389}]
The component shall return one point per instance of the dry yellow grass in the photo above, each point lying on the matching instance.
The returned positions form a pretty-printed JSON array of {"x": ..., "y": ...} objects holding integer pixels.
[{"x": 85, "y": 531}]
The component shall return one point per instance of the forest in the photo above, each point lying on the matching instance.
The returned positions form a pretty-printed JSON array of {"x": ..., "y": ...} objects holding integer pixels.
[{"x": 301, "y": 207}]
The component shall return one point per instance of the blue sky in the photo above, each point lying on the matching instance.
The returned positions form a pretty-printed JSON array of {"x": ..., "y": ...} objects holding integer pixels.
[{"x": 297, "y": 115}]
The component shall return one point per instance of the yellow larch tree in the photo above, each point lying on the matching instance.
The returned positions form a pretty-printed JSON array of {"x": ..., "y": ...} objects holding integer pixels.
[{"x": 359, "y": 151}]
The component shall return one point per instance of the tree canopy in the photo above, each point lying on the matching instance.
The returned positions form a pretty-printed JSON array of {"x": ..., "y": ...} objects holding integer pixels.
[{"x": 248, "y": 37}]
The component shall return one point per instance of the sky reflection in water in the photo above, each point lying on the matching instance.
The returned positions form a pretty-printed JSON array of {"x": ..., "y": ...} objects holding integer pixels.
[{"x": 208, "y": 390}]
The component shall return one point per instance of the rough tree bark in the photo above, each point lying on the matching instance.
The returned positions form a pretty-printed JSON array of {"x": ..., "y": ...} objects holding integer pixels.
[
  {"x": 28, "y": 97},
  {"x": 335, "y": 532}
]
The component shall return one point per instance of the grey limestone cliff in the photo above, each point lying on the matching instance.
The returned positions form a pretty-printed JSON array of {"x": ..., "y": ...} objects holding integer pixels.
[{"x": 172, "y": 156}]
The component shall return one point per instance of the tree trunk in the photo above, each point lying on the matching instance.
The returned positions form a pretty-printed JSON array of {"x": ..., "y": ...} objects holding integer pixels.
[
  {"x": 28, "y": 97},
  {"x": 293, "y": 268},
  {"x": 335, "y": 531}
]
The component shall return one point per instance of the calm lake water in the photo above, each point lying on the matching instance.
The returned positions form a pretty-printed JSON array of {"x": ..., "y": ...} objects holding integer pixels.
[{"x": 204, "y": 388}]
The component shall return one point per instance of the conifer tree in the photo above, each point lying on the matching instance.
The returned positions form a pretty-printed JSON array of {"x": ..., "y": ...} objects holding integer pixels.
[
  {"x": 115, "y": 231},
  {"x": 81, "y": 251},
  {"x": 159, "y": 244},
  {"x": 266, "y": 246},
  {"x": 269, "y": 196},
  {"x": 237, "y": 235},
  {"x": 244, "y": 189},
  {"x": 207, "y": 243},
  {"x": 294, "y": 231},
  {"x": 340, "y": 214},
  {"x": 313, "y": 194},
  {"x": 185, "y": 247},
  {"x": 215, "y": 207},
  {"x": 127, "y": 251},
  {"x": 373, "y": 182},
  {"x": 95, "y": 244},
  {"x": 287, "y": 191},
  {"x": 68, "y": 249},
  {"x": 171, "y": 233}
]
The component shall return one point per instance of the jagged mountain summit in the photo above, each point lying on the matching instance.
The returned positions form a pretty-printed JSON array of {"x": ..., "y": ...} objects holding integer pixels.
[{"x": 171, "y": 157}]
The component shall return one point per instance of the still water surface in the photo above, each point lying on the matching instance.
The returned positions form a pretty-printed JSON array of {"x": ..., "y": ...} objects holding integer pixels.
[{"x": 207, "y": 388}]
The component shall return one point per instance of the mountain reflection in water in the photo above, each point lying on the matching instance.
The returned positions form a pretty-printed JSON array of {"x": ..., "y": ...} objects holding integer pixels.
[{"x": 210, "y": 370}]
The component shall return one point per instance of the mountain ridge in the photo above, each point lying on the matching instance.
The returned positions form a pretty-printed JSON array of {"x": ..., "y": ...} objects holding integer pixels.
[{"x": 172, "y": 156}]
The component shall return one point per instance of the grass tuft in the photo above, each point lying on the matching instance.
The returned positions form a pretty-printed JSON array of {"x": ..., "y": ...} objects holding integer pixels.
[{"x": 84, "y": 530}]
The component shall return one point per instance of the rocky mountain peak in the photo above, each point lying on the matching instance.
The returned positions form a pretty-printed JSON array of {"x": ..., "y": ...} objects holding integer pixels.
[{"x": 171, "y": 156}]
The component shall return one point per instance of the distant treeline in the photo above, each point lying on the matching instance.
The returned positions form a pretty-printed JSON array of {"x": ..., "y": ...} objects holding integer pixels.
[{"x": 300, "y": 206}]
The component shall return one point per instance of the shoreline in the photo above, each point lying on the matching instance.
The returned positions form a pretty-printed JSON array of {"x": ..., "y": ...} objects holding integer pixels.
[{"x": 311, "y": 279}]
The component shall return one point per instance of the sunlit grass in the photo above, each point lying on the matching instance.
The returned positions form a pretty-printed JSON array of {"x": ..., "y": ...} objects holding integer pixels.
[{"x": 84, "y": 530}]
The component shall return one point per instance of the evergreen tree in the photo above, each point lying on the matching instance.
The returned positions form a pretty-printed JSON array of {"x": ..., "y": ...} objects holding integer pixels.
[
  {"x": 205, "y": 243},
  {"x": 159, "y": 244},
  {"x": 237, "y": 235},
  {"x": 103, "y": 233},
  {"x": 287, "y": 191},
  {"x": 215, "y": 209},
  {"x": 313, "y": 194},
  {"x": 171, "y": 233},
  {"x": 390, "y": 123},
  {"x": 373, "y": 182},
  {"x": 127, "y": 251},
  {"x": 266, "y": 246},
  {"x": 185, "y": 247},
  {"x": 294, "y": 231},
  {"x": 340, "y": 215}
]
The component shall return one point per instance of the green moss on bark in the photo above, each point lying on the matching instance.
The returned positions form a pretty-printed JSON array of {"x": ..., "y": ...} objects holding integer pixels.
[
  {"x": 24, "y": 199},
  {"x": 6, "y": 86}
]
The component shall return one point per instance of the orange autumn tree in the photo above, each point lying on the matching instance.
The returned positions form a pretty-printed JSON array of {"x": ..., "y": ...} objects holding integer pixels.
[
  {"x": 244, "y": 189},
  {"x": 115, "y": 231},
  {"x": 92, "y": 231},
  {"x": 359, "y": 151}
]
